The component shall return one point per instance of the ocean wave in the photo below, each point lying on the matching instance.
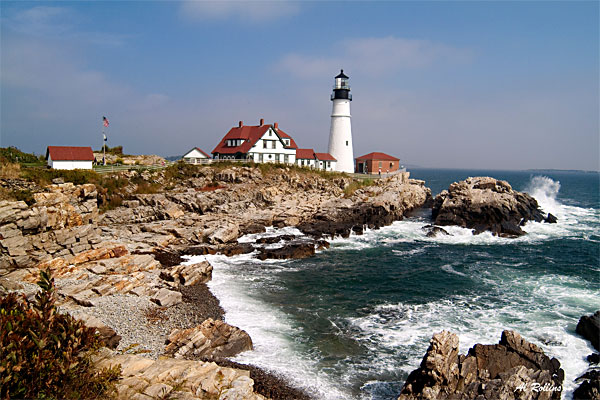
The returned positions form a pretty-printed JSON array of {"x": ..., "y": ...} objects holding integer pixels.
[{"x": 543, "y": 310}]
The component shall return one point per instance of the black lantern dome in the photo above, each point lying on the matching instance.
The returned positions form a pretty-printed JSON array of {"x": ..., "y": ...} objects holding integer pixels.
[{"x": 341, "y": 89}]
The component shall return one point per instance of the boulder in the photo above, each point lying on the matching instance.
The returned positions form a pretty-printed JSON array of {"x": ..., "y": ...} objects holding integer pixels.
[
  {"x": 589, "y": 388},
  {"x": 434, "y": 231},
  {"x": 589, "y": 328},
  {"x": 514, "y": 368},
  {"x": 106, "y": 333},
  {"x": 165, "y": 297},
  {"x": 211, "y": 339},
  {"x": 189, "y": 275},
  {"x": 289, "y": 250},
  {"x": 487, "y": 204}
]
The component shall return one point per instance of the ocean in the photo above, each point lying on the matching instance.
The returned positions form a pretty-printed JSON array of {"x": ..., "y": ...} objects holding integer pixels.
[{"x": 353, "y": 321}]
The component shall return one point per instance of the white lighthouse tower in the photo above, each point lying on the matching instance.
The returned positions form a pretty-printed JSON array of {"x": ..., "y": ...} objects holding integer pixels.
[{"x": 340, "y": 135}]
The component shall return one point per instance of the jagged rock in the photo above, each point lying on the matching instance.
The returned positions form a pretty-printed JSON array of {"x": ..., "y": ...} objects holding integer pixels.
[
  {"x": 551, "y": 219},
  {"x": 213, "y": 339},
  {"x": 176, "y": 379},
  {"x": 189, "y": 275},
  {"x": 589, "y": 328},
  {"x": 593, "y": 358},
  {"x": 289, "y": 250},
  {"x": 514, "y": 368},
  {"x": 433, "y": 231},
  {"x": 486, "y": 204},
  {"x": 223, "y": 234},
  {"x": 106, "y": 333},
  {"x": 590, "y": 386},
  {"x": 165, "y": 297}
]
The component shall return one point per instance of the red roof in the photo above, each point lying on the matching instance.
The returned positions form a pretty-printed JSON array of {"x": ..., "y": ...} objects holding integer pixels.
[
  {"x": 250, "y": 134},
  {"x": 70, "y": 153},
  {"x": 305, "y": 154},
  {"x": 325, "y": 157},
  {"x": 378, "y": 156}
]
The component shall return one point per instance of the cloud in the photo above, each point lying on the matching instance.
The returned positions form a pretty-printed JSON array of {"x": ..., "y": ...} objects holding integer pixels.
[
  {"x": 250, "y": 10},
  {"x": 374, "y": 57},
  {"x": 57, "y": 23}
]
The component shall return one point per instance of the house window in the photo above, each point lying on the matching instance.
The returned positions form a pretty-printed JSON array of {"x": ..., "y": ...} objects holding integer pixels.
[
  {"x": 302, "y": 163},
  {"x": 286, "y": 159},
  {"x": 391, "y": 164},
  {"x": 328, "y": 164},
  {"x": 260, "y": 157},
  {"x": 380, "y": 164},
  {"x": 270, "y": 133},
  {"x": 264, "y": 144},
  {"x": 273, "y": 144}
]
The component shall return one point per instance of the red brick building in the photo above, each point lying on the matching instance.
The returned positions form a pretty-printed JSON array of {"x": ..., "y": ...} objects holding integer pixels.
[{"x": 376, "y": 162}]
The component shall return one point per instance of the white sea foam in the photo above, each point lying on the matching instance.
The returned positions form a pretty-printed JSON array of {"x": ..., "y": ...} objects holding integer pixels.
[
  {"x": 544, "y": 310},
  {"x": 274, "y": 336},
  {"x": 573, "y": 222}
]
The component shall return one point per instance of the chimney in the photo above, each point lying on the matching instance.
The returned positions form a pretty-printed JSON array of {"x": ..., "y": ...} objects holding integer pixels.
[
  {"x": 241, "y": 123},
  {"x": 262, "y": 121},
  {"x": 275, "y": 126}
]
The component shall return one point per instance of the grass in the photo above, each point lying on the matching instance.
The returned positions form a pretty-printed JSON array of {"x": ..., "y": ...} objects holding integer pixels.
[{"x": 357, "y": 184}]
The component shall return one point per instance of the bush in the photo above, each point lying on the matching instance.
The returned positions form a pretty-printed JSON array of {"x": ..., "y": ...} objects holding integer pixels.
[
  {"x": 12, "y": 154},
  {"x": 46, "y": 355},
  {"x": 357, "y": 184}
]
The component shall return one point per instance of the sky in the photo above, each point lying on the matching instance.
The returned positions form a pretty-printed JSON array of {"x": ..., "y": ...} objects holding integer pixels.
[{"x": 476, "y": 84}]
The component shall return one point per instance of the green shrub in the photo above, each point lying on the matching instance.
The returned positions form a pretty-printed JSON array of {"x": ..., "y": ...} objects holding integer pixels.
[
  {"x": 12, "y": 154},
  {"x": 357, "y": 184},
  {"x": 46, "y": 355}
]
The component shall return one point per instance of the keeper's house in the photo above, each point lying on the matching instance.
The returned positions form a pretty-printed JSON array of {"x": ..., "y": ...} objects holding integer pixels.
[
  {"x": 195, "y": 156},
  {"x": 376, "y": 162},
  {"x": 259, "y": 143},
  {"x": 69, "y": 157}
]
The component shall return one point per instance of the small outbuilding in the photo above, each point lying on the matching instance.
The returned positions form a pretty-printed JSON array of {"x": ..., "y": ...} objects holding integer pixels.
[
  {"x": 376, "y": 162},
  {"x": 69, "y": 157},
  {"x": 195, "y": 156}
]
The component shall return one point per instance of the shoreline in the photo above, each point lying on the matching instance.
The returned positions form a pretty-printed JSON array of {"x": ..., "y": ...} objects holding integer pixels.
[{"x": 146, "y": 237}]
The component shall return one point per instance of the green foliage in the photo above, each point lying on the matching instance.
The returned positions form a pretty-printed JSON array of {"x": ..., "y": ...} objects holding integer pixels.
[
  {"x": 12, "y": 154},
  {"x": 117, "y": 150},
  {"x": 46, "y": 355},
  {"x": 357, "y": 184}
]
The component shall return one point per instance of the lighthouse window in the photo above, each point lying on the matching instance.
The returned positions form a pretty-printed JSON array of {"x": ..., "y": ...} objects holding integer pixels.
[{"x": 346, "y": 143}]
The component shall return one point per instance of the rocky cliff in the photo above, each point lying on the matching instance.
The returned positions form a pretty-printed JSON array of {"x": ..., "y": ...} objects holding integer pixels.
[
  {"x": 121, "y": 272},
  {"x": 487, "y": 204},
  {"x": 512, "y": 369}
]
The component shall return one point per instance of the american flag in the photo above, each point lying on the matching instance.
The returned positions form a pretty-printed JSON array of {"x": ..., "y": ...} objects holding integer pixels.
[{"x": 105, "y": 121}]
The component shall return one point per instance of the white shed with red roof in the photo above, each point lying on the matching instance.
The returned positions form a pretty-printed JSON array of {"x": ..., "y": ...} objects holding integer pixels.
[{"x": 69, "y": 157}]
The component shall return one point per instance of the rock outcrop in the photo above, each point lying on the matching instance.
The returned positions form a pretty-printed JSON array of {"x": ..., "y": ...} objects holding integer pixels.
[
  {"x": 512, "y": 369},
  {"x": 487, "y": 204},
  {"x": 589, "y": 328},
  {"x": 60, "y": 222},
  {"x": 211, "y": 339},
  {"x": 589, "y": 388},
  {"x": 143, "y": 378}
]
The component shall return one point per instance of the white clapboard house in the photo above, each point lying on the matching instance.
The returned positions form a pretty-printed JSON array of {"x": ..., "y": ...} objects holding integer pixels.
[
  {"x": 195, "y": 156},
  {"x": 259, "y": 143}
]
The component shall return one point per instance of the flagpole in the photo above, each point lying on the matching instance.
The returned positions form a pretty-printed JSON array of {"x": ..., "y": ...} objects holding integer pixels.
[{"x": 103, "y": 145}]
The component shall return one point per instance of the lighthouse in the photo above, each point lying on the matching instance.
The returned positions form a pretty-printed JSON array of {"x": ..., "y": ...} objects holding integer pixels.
[{"x": 340, "y": 134}]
